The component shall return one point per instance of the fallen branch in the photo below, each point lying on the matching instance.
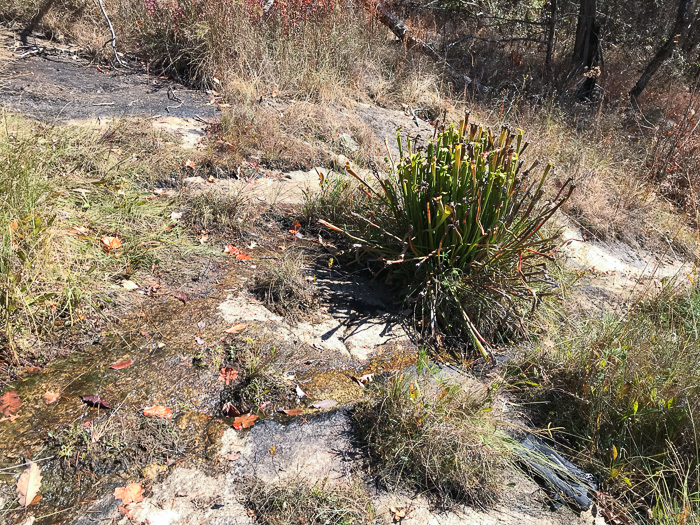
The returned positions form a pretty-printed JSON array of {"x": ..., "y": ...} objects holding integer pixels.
[
  {"x": 114, "y": 36},
  {"x": 404, "y": 34}
]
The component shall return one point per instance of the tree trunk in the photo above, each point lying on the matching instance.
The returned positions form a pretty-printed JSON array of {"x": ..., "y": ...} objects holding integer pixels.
[
  {"x": 36, "y": 19},
  {"x": 551, "y": 33},
  {"x": 680, "y": 28},
  {"x": 585, "y": 48}
]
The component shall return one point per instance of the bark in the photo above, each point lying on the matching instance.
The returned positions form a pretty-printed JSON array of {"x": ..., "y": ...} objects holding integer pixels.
[
  {"x": 36, "y": 19},
  {"x": 586, "y": 43},
  {"x": 679, "y": 30},
  {"x": 551, "y": 33}
]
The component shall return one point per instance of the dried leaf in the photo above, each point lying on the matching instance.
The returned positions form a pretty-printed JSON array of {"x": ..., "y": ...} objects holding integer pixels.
[
  {"x": 236, "y": 328},
  {"x": 295, "y": 228},
  {"x": 95, "y": 401},
  {"x": 326, "y": 403},
  {"x": 228, "y": 374},
  {"x": 51, "y": 397},
  {"x": 199, "y": 340},
  {"x": 158, "y": 412},
  {"x": 132, "y": 493},
  {"x": 122, "y": 364},
  {"x": 129, "y": 285},
  {"x": 231, "y": 249},
  {"x": 201, "y": 325},
  {"x": 9, "y": 403},
  {"x": 190, "y": 164},
  {"x": 244, "y": 421},
  {"x": 28, "y": 484},
  {"x": 398, "y": 512},
  {"x": 126, "y": 512},
  {"x": 182, "y": 297},
  {"x": 111, "y": 243},
  {"x": 32, "y": 369},
  {"x": 292, "y": 411},
  {"x": 242, "y": 257}
]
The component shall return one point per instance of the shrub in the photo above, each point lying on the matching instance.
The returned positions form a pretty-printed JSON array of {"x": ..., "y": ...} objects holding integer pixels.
[{"x": 459, "y": 227}]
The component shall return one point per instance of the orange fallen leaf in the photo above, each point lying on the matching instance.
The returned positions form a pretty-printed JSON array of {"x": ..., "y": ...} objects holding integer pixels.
[
  {"x": 158, "y": 412},
  {"x": 295, "y": 228},
  {"x": 228, "y": 374},
  {"x": 9, "y": 403},
  {"x": 190, "y": 164},
  {"x": 28, "y": 484},
  {"x": 292, "y": 411},
  {"x": 111, "y": 243},
  {"x": 242, "y": 257},
  {"x": 122, "y": 364},
  {"x": 211, "y": 178},
  {"x": 132, "y": 493},
  {"x": 398, "y": 512},
  {"x": 236, "y": 328},
  {"x": 50, "y": 397},
  {"x": 244, "y": 421},
  {"x": 231, "y": 249}
]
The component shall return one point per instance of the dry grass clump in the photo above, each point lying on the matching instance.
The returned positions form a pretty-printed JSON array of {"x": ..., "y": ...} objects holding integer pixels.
[
  {"x": 298, "y": 502},
  {"x": 435, "y": 436},
  {"x": 296, "y": 135},
  {"x": 625, "y": 393},
  {"x": 285, "y": 285},
  {"x": 218, "y": 213}
]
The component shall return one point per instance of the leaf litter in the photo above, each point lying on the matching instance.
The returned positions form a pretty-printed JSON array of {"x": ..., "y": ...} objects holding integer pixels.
[
  {"x": 28, "y": 484},
  {"x": 132, "y": 493}
]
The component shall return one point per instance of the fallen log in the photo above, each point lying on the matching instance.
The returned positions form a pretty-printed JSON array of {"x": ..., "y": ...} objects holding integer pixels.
[{"x": 403, "y": 33}]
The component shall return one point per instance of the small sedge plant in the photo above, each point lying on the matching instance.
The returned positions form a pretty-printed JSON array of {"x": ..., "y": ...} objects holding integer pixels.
[{"x": 459, "y": 226}]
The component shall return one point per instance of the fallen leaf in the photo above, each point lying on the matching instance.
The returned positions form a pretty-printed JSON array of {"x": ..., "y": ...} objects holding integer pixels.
[
  {"x": 292, "y": 411},
  {"x": 199, "y": 340},
  {"x": 122, "y": 364},
  {"x": 32, "y": 369},
  {"x": 132, "y": 493},
  {"x": 211, "y": 178},
  {"x": 235, "y": 456},
  {"x": 182, "y": 297},
  {"x": 190, "y": 164},
  {"x": 78, "y": 230},
  {"x": 326, "y": 403},
  {"x": 201, "y": 325},
  {"x": 300, "y": 392},
  {"x": 295, "y": 228},
  {"x": 158, "y": 412},
  {"x": 9, "y": 403},
  {"x": 228, "y": 374},
  {"x": 129, "y": 285},
  {"x": 111, "y": 243},
  {"x": 236, "y": 328},
  {"x": 230, "y": 410},
  {"x": 231, "y": 249},
  {"x": 95, "y": 401},
  {"x": 159, "y": 191},
  {"x": 9, "y": 418},
  {"x": 51, "y": 397},
  {"x": 28, "y": 484},
  {"x": 244, "y": 421},
  {"x": 398, "y": 512},
  {"x": 126, "y": 512},
  {"x": 242, "y": 257}
]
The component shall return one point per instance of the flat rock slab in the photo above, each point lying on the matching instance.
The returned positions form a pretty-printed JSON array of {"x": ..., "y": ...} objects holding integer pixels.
[{"x": 305, "y": 448}]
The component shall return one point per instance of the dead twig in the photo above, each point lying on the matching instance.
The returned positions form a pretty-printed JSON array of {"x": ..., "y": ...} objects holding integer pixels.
[{"x": 114, "y": 36}]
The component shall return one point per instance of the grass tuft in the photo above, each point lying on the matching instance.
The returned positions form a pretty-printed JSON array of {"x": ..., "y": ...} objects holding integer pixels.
[
  {"x": 285, "y": 287},
  {"x": 293, "y": 503},
  {"x": 436, "y": 437}
]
